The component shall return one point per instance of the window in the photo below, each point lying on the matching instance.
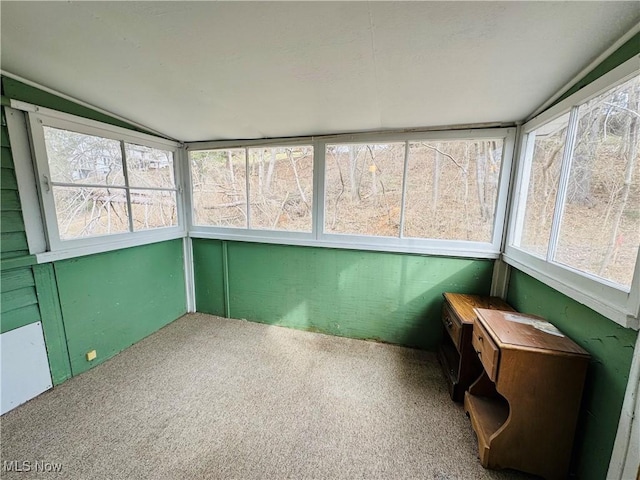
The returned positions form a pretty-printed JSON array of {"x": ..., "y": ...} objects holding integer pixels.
[
  {"x": 260, "y": 188},
  {"x": 429, "y": 192},
  {"x": 421, "y": 189},
  {"x": 364, "y": 188},
  {"x": 100, "y": 184},
  {"x": 577, "y": 215},
  {"x": 545, "y": 148}
]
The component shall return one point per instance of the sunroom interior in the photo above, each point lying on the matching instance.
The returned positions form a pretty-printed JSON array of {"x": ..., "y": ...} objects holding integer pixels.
[{"x": 328, "y": 167}]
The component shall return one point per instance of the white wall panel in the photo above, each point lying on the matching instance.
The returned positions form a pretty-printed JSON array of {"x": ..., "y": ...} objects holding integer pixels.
[{"x": 24, "y": 367}]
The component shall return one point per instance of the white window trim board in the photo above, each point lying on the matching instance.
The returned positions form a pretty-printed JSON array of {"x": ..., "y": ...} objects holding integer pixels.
[
  {"x": 110, "y": 246},
  {"x": 25, "y": 176},
  {"x": 625, "y": 459}
]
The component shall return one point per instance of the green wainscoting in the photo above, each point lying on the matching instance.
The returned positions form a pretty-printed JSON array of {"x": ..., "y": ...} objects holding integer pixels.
[
  {"x": 611, "y": 347},
  {"x": 385, "y": 297},
  {"x": 209, "y": 276},
  {"x": 111, "y": 300},
  {"x": 53, "y": 323}
]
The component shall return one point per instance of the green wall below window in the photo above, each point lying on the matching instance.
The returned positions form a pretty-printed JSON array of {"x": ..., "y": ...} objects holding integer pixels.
[
  {"x": 111, "y": 300},
  {"x": 386, "y": 297},
  {"x": 611, "y": 347}
]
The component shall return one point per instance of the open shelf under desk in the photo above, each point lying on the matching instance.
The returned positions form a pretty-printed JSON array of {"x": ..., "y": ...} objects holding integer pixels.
[{"x": 487, "y": 415}]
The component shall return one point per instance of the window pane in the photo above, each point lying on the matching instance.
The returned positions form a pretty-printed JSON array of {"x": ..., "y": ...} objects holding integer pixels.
[
  {"x": 219, "y": 187},
  {"x": 149, "y": 167},
  {"x": 546, "y": 160},
  {"x": 452, "y": 188},
  {"x": 85, "y": 212},
  {"x": 281, "y": 188},
  {"x": 79, "y": 158},
  {"x": 364, "y": 188},
  {"x": 600, "y": 229},
  {"x": 153, "y": 209}
]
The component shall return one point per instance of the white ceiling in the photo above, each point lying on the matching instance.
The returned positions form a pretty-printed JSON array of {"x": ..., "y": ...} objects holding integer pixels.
[{"x": 220, "y": 70}]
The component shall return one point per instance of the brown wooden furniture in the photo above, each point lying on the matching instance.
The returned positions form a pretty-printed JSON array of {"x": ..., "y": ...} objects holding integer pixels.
[
  {"x": 524, "y": 406},
  {"x": 457, "y": 357}
]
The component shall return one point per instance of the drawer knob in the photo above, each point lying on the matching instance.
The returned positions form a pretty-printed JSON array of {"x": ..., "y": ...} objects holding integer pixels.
[{"x": 448, "y": 322}]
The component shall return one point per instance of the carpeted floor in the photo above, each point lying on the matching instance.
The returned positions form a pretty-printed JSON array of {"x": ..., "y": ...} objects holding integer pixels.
[{"x": 209, "y": 398}]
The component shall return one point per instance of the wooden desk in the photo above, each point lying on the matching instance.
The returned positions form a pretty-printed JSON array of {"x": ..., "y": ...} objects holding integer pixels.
[
  {"x": 457, "y": 357},
  {"x": 524, "y": 406}
]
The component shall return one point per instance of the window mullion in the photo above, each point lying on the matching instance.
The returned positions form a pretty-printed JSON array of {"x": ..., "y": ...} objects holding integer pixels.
[
  {"x": 563, "y": 183},
  {"x": 317, "y": 211},
  {"x": 520, "y": 197},
  {"x": 125, "y": 172},
  {"x": 246, "y": 180},
  {"x": 404, "y": 188}
]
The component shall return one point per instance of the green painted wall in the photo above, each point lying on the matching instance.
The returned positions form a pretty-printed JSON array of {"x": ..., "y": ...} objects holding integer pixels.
[
  {"x": 611, "y": 347},
  {"x": 386, "y": 297},
  {"x": 209, "y": 276},
  {"x": 111, "y": 300}
]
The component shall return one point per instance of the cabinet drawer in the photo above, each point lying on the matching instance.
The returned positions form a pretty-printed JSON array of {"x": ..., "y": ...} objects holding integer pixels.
[
  {"x": 452, "y": 324},
  {"x": 486, "y": 349}
]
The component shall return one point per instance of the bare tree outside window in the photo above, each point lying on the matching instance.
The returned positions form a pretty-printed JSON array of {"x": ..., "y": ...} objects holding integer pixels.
[
  {"x": 79, "y": 159},
  {"x": 92, "y": 193},
  {"x": 219, "y": 187},
  {"x": 546, "y": 162},
  {"x": 452, "y": 189},
  {"x": 281, "y": 188},
  {"x": 364, "y": 188}
]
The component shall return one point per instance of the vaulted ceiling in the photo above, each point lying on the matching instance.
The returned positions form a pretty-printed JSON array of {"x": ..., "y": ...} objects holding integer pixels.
[{"x": 219, "y": 70}]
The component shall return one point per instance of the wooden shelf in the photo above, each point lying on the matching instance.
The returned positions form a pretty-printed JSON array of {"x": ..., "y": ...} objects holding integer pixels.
[{"x": 487, "y": 414}]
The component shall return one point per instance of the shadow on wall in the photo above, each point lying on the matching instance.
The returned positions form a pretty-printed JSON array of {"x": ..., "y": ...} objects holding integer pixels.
[{"x": 385, "y": 297}]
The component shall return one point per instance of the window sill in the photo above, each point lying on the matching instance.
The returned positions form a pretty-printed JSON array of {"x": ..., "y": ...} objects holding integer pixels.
[
  {"x": 573, "y": 286},
  {"x": 134, "y": 241},
  {"x": 478, "y": 251}
]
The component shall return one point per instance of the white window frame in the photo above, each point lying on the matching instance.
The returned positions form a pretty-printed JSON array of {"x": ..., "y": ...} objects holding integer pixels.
[
  {"x": 620, "y": 304},
  {"x": 318, "y": 237},
  {"x": 241, "y": 233},
  {"x": 47, "y": 245}
]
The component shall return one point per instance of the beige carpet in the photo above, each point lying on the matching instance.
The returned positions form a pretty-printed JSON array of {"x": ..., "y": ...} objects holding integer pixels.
[{"x": 208, "y": 398}]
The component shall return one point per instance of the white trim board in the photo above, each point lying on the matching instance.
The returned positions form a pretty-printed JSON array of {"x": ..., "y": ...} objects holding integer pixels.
[{"x": 625, "y": 458}]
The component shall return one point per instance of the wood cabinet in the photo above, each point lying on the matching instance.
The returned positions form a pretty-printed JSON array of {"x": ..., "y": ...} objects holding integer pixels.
[
  {"x": 457, "y": 357},
  {"x": 524, "y": 406}
]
